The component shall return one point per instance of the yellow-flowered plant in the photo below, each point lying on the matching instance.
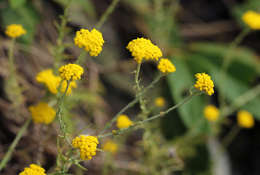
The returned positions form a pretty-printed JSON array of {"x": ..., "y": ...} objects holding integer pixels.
[
  {"x": 142, "y": 48},
  {"x": 42, "y": 113},
  {"x": 15, "y": 30},
  {"x": 33, "y": 169},
  {"x": 123, "y": 122},
  {"x": 52, "y": 82},
  {"x": 159, "y": 102},
  {"x": 110, "y": 146},
  {"x": 71, "y": 72},
  {"x": 92, "y": 41},
  {"x": 245, "y": 119},
  {"x": 87, "y": 146},
  {"x": 204, "y": 83},
  {"x": 166, "y": 66},
  {"x": 252, "y": 19},
  {"x": 211, "y": 113}
]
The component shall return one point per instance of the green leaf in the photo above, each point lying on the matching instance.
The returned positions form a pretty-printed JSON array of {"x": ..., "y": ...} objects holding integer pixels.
[
  {"x": 232, "y": 86},
  {"x": 243, "y": 59},
  {"x": 16, "y": 3},
  {"x": 179, "y": 83}
]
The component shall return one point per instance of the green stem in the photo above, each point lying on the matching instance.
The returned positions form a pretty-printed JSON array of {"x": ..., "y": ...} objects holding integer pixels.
[
  {"x": 11, "y": 58},
  {"x": 241, "y": 101},
  {"x": 228, "y": 110},
  {"x": 13, "y": 145},
  {"x": 59, "y": 112},
  {"x": 105, "y": 15},
  {"x": 139, "y": 89},
  {"x": 227, "y": 60},
  {"x": 161, "y": 114},
  {"x": 81, "y": 57},
  {"x": 230, "y": 136},
  {"x": 132, "y": 103},
  {"x": 61, "y": 30}
]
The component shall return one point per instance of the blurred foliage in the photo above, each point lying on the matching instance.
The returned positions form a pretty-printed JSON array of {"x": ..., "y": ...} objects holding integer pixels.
[
  {"x": 20, "y": 12},
  {"x": 157, "y": 20}
]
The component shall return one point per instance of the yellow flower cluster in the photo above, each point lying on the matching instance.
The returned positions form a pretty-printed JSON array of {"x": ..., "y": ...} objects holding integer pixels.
[
  {"x": 110, "y": 146},
  {"x": 92, "y": 41},
  {"x": 87, "y": 146},
  {"x": 245, "y": 119},
  {"x": 166, "y": 66},
  {"x": 71, "y": 72},
  {"x": 252, "y": 19},
  {"x": 42, "y": 113},
  {"x": 33, "y": 170},
  {"x": 159, "y": 102},
  {"x": 142, "y": 48},
  {"x": 204, "y": 83},
  {"x": 211, "y": 113},
  {"x": 15, "y": 30},
  {"x": 52, "y": 82},
  {"x": 123, "y": 122}
]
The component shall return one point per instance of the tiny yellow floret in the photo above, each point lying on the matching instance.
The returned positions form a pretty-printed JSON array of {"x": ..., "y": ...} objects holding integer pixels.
[
  {"x": 252, "y": 19},
  {"x": 71, "y": 72},
  {"x": 166, "y": 66},
  {"x": 159, "y": 102},
  {"x": 245, "y": 119},
  {"x": 42, "y": 113},
  {"x": 92, "y": 41},
  {"x": 204, "y": 83},
  {"x": 87, "y": 146},
  {"x": 110, "y": 146},
  {"x": 15, "y": 30},
  {"x": 33, "y": 169},
  {"x": 142, "y": 48},
  {"x": 52, "y": 82},
  {"x": 123, "y": 122},
  {"x": 211, "y": 113}
]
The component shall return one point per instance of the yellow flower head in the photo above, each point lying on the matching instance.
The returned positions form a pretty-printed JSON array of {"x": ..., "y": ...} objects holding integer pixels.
[
  {"x": 159, "y": 102},
  {"x": 42, "y": 113},
  {"x": 71, "y": 72},
  {"x": 15, "y": 30},
  {"x": 204, "y": 83},
  {"x": 123, "y": 122},
  {"x": 211, "y": 113},
  {"x": 252, "y": 19},
  {"x": 33, "y": 170},
  {"x": 52, "y": 82},
  {"x": 245, "y": 119},
  {"x": 92, "y": 41},
  {"x": 166, "y": 66},
  {"x": 87, "y": 146},
  {"x": 142, "y": 48},
  {"x": 110, "y": 146}
]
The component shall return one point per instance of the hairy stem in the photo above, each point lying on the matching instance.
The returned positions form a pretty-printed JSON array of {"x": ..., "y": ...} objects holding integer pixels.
[
  {"x": 59, "y": 113},
  {"x": 132, "y": 103},
  {"x": 60, "y": 47},
  {"x": 161, "y": 114}
]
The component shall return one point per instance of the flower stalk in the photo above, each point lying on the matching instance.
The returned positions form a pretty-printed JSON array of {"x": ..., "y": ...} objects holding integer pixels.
[{"x": 161, "y": 114}]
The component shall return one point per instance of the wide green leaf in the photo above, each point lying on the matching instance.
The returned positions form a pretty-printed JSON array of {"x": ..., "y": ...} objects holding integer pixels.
[{"x": 180, "y": 83}]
